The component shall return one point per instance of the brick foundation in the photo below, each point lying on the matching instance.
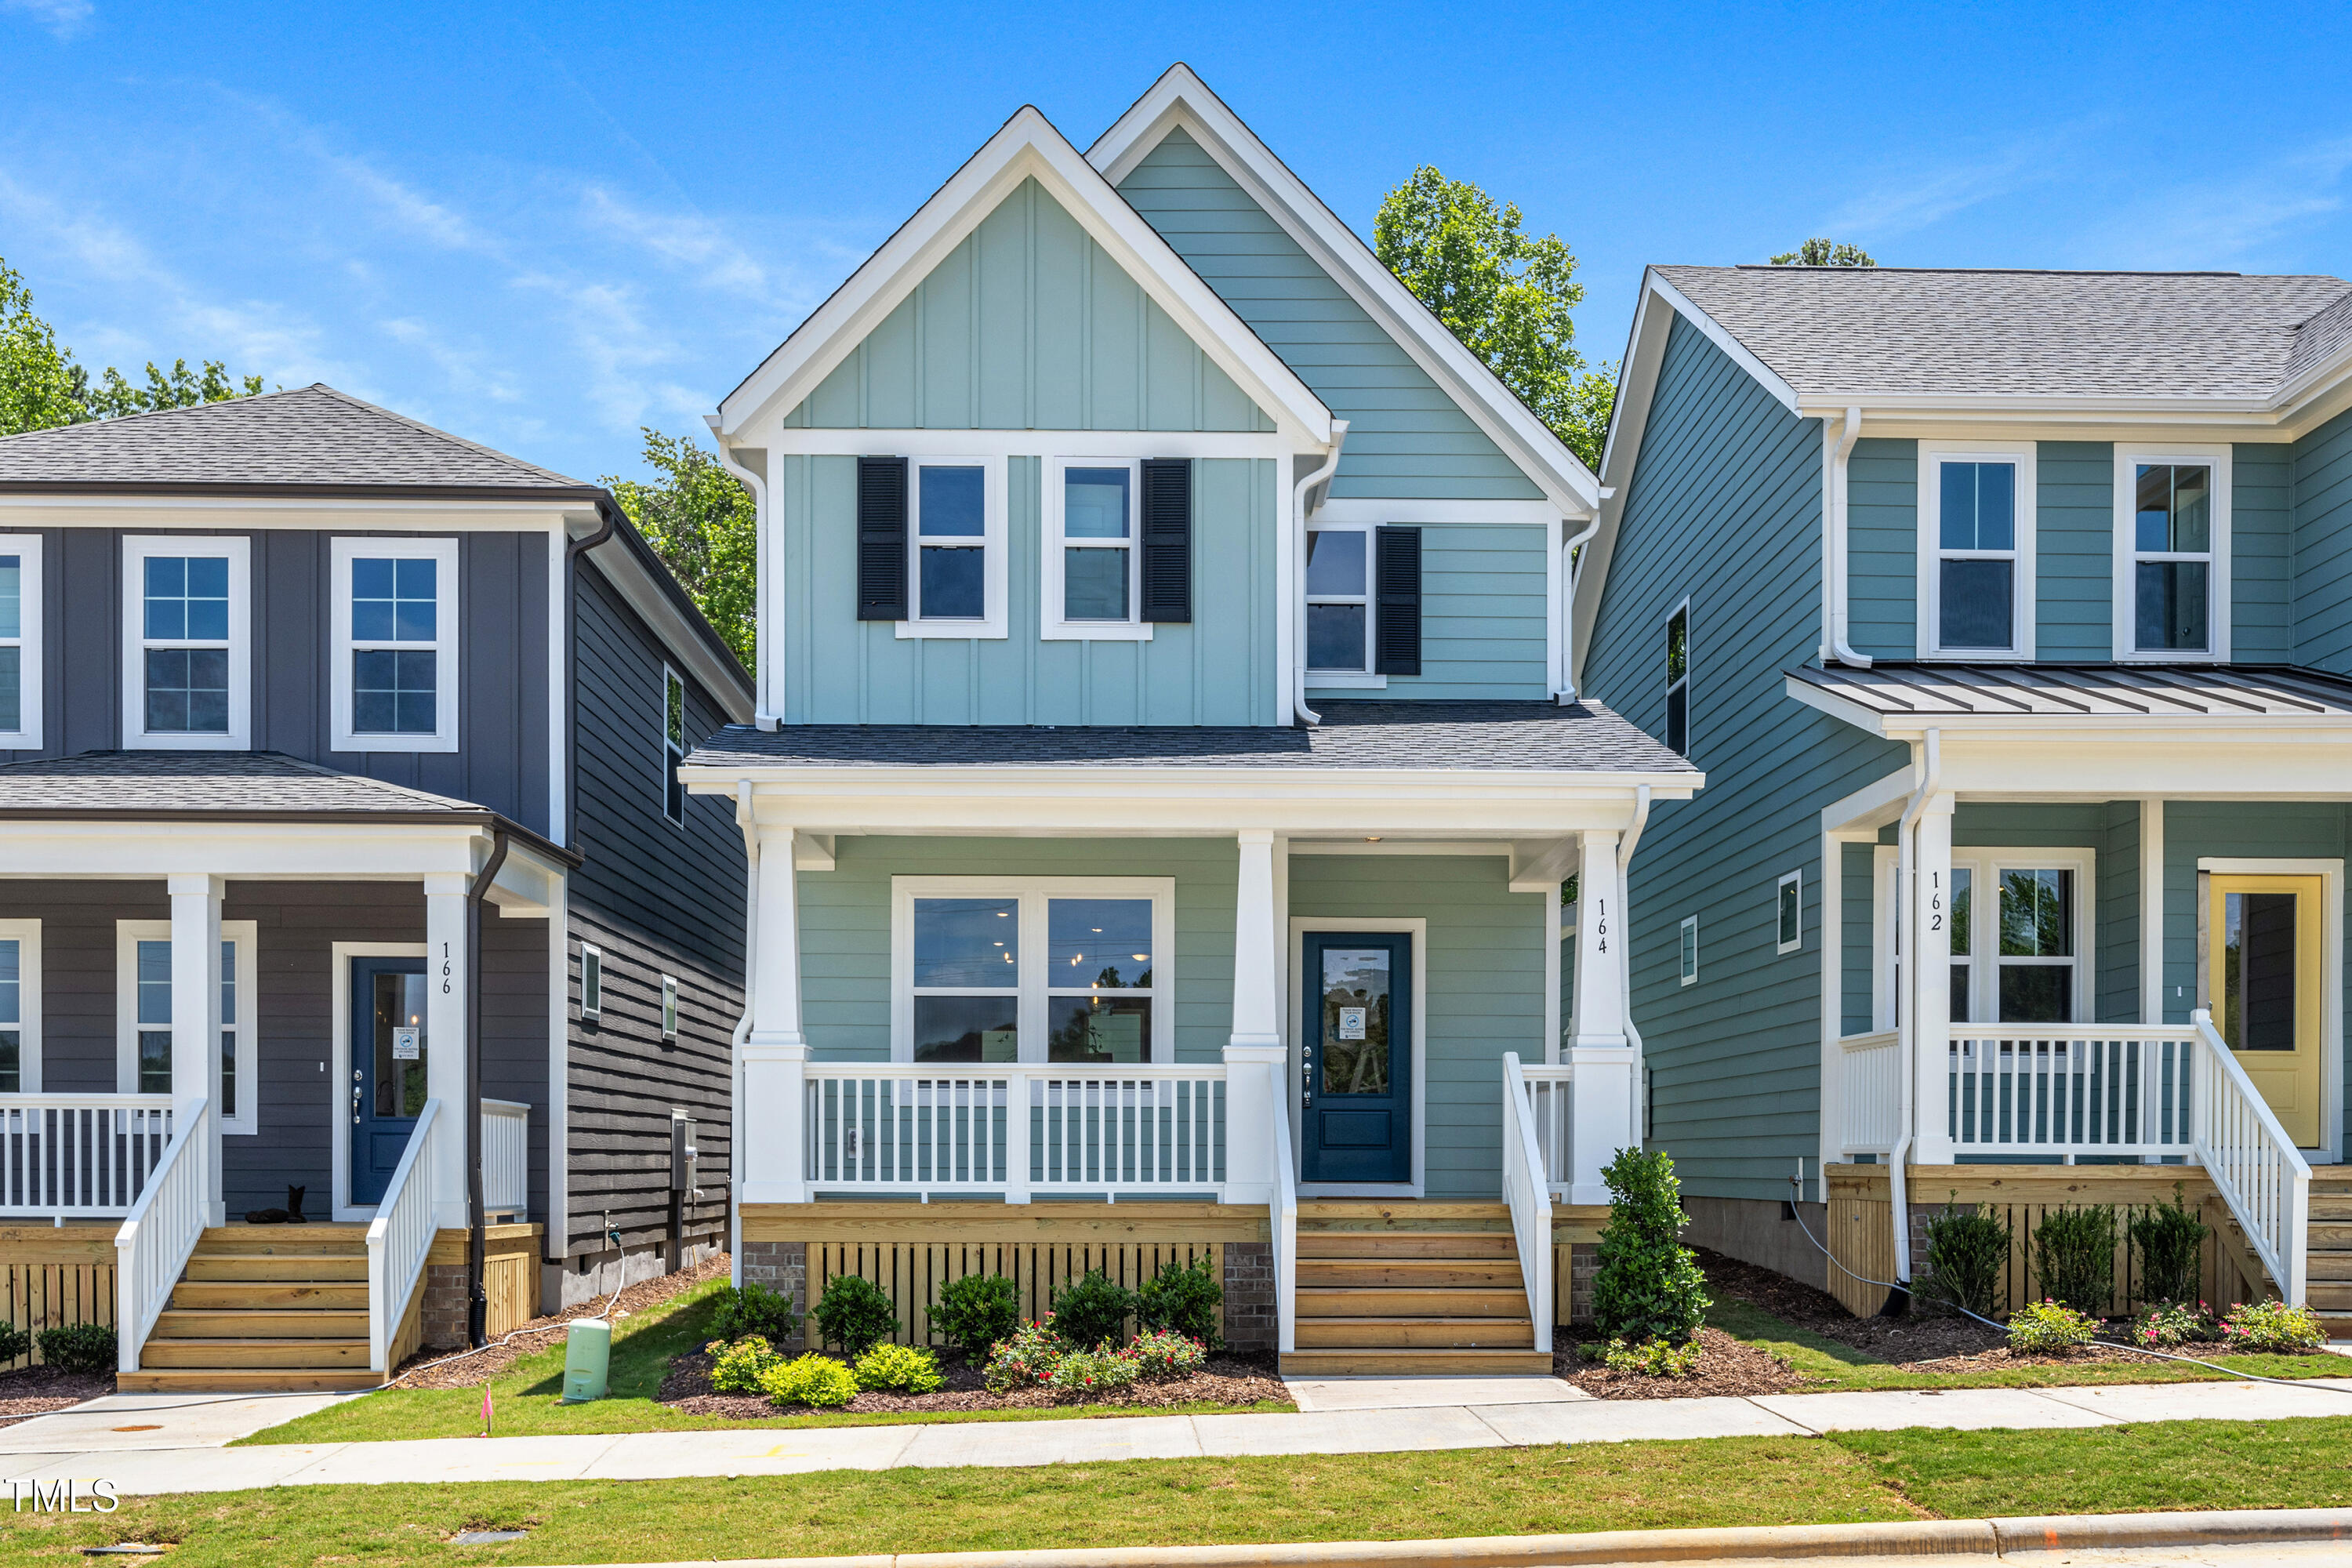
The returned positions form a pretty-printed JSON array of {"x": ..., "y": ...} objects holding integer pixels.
[
  {"x": 1250, "y": 1309},
  {"x": 443, "y": 1323},
  {"x": 781, "y": 1267},
  {"x": 1583, "y": 1268}
]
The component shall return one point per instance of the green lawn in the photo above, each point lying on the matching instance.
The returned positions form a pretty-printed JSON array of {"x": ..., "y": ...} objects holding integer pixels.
[
  {"x": 1833, "y": 1367},
  {"x": 526, "y": 1397},
  {"x": 1846, "y": 1478}
]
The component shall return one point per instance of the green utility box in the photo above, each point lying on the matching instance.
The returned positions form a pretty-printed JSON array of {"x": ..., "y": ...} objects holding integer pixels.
[{"x": 587, "y": 1358}]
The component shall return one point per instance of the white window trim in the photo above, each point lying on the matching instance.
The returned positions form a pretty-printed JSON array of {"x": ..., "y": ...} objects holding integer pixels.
[
  {"x": 2217, "y": 577},
  {"x": 1364, "y": 679},
  {"x": 1036, "y": 983},
  {"x": 27, "y": 935},
  {"x": 444, "y": 645},
  {"x": 26, "y": 548},
  {"x": 1984, "y": 866},
  {"x": 592, "y": 957},
  {"x": 669, "y": 1007},
  {"x": 673, "y": 753},
  {"x": 2023, "y": 599},
  {"x": 995, "y": 577},
  {"x": 128, "y": 935},
  {"x": 1690, "y": 672},
  {"x": 1686, "y": 937},
  {"x": 1052, "y": 626},
  {"x": 238, "y": 551},
  {"x": 1797, "y": 880}
]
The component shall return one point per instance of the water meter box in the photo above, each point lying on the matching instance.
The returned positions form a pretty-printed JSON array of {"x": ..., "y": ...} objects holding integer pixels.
[{"x": 587, "y": 1360}]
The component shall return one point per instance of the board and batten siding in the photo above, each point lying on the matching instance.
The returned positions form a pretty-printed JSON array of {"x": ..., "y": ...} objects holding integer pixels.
[
  {"x": 1406, "y": 439},
  {"x": 2320, "y": 487},
  {"x": 501, "y": 761},
  {"x": 657, "y": 899},
  {"x": 1724, "y": 508},
  {"x": 1482, "y": 616},
  {"x": 1485, "y": 965}
]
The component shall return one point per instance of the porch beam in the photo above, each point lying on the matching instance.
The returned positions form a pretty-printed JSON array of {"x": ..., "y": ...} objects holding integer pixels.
[
  {"x": 196, "y": 1008},
  {"x": 446, "y": 1045}
]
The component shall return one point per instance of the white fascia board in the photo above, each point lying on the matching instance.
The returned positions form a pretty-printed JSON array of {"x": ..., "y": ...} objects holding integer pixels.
[
  {"x": 528, "y": 886},
  {"x": 1765, "y": 376},
  {"x": 1868, "y": 721},
  {"x": 298, "y": 851},
  {"x": 1026, "y": 147},
  {"x": 2236, "y": 765},
  {"x": 2314, "y": 399},
  {"x": 1180, "y": 98},
  {"x": 1420, "y": 511},
  {"x": 310, "y": 514}
]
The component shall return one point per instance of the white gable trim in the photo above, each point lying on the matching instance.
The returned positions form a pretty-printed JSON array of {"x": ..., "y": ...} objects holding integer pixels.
[
  {"x": 1027, "y": 147},
  {"x": 1181, "y": 99}
]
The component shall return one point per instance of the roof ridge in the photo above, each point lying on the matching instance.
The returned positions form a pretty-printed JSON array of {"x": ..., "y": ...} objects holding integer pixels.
[
  {"x": 434, "y": 431},
  {"x": 324, "y": 771},
  {"x": 158, "y": 412}
]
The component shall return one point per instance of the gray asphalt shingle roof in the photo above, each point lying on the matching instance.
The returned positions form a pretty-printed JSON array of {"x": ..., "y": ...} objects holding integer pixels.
[
  {"x": 1435, "y": 735},
  {"x": 137, "y": 783},
  {"x": 2070, "y": 693},
  {"x": 1893, "y": 330},
  {"x": 310, "y": 436}
]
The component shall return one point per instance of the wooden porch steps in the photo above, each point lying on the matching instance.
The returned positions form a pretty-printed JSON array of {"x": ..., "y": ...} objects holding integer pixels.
[
  {"x": 264, "y": 1309},
  {"x": 1402, "y": 1288},
  {"x": 2328, "y": 1265}
]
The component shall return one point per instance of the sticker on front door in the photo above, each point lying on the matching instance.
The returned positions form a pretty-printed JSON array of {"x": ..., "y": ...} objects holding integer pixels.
[{"x": 1356, "y": 1040}]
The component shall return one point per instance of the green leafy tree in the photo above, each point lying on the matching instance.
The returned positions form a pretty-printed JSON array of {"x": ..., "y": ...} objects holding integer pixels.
[
  {"x": 700, "y": 521},
  {"x": 41, "y": 387},
  {"x": 1824, "y": 253},
  {"x": 1509, "y": 296},
  {"x": 180, "y": 387}
]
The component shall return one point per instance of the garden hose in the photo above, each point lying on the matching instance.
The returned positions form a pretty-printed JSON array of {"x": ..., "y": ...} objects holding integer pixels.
[
  {"x": 610, "y": 1302},
  {"x": 1797, "y": 1212}
]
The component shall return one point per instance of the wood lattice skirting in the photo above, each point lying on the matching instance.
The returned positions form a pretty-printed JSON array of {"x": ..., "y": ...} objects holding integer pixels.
[{"x": 52, "y": 1275}]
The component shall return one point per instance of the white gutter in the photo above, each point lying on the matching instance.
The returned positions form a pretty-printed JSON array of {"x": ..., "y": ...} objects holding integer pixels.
[
  {"x": 1565, "y": 692},
  {"x": 1626, "y": 948},
  {"x": 1835, "y": 585},
  {"x": 1930, "y": 762},
  {"x": 757, "y": 483},
  {"x": 742, "y": 1030},
  {"x": 1299, "y": 547}
]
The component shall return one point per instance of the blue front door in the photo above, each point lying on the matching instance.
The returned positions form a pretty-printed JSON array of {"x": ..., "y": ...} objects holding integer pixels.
[
  {"x": 389, "y": 1050},
  {"x": 1357, "y": 1034}
]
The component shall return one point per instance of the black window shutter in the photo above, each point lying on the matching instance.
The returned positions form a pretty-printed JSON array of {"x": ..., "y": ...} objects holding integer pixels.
[
  {"x": 1167, "y": 539},
  {"x": 881, "y": 539},
  {"x": 1396, "y": 625}
]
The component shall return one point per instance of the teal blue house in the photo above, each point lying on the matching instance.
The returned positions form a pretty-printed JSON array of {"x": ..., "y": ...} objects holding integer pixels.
[
  {"x": 2006, "y": 613},
  {"x": 1166, "y": 769}
]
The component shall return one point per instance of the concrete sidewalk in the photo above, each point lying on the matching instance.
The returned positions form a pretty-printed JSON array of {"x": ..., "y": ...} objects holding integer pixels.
[{"x": 1409, "y": 1417}]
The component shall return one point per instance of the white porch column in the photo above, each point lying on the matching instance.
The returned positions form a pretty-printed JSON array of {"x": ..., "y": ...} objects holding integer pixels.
[
  {"x": 446, "y": 1045},
  {"x": 1603, "y": 1063},
  {"x": 196, "y": 1009},
  {"x": 1930, "y": 984},
  {"x": 1255, "y": 1067},
  {"x": 772, "y": 1122}
]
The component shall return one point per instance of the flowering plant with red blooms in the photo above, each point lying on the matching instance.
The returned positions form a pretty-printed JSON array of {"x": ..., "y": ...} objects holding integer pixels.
[
  {"x": 1164, "y": 1353},
  {"x": 1025, "y": 1358}
]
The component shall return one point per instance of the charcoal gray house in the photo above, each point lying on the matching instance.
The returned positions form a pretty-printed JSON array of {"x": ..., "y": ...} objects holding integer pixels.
[{"x": 341, "y": 849}]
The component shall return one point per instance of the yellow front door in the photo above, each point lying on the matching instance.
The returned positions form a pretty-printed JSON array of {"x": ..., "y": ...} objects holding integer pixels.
[{"x": 2263, "y": 965}]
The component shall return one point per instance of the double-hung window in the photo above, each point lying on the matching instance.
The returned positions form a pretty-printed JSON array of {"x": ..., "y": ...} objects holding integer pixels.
[
  {"x": 20, "y": 642},
  {"x": 1976, "y": 550},
  {"x": 20, "y": 1006},
  {"x": 1679, "y": 680},
  {"x": 956, "y": 547},
  {"x": 145, "y": 1058},
  {"x": 394, "y": 659},
  {"x": 2172, "y": 552},
  {"x": 1026, "y": 969},
  {"x": 187, "y": 629},
  {"x": 673, "y": 745},
  {"x": 1093, "y": 556},
  {"x": 1339, "y": 587},
  {"x": 2016, "y": 956}
]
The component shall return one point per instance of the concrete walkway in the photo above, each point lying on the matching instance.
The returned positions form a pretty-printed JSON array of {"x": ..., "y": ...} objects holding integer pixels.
[{"x": 1370, "y": 1417}]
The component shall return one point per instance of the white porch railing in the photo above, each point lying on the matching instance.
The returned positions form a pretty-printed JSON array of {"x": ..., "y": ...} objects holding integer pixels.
[
  {"x": 2061, "y": 1090},
  {"x": 1284, "y": 1217},
  {"x": 400, "y": 1236},
  {"x": 165, "y": 1225},
  {"x": 506, "y": 1158},
  {"x": 1870, "y": 1101},
  {"x": 1551, "y": 1111},
  {"x": 1015, "y": 1130},
  {"x": 2253, "y": 1163},
  {"x": 80, "y": 1156},
  {"x": 1527, "y": 1188}
]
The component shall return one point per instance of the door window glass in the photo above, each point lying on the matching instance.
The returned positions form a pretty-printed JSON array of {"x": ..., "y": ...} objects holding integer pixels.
[
  {"x": 1355, "y": 987},
  {"x": 400, "y": 1044},
  {"x": 2257, "y": 989}
]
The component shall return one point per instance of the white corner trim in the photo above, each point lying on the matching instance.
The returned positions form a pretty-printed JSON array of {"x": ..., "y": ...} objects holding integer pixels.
[
  {"x": 1052, "y": 626},
  {"x": 29, "y": 642},
  {"x": 1417, "y": 928},
  {"x": 2216, "y": 457},
  {"x": 236, "y": 549},
  {"x": 445, "y": 646},
  {"x": 2024, "y": 601}
]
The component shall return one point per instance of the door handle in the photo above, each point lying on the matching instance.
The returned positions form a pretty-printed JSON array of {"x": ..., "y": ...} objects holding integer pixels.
[{"x": 355, "y": 1104}]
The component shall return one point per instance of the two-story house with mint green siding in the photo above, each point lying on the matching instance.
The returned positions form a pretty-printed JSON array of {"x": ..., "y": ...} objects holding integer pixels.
[
  {"x": 2006, "y": 613},
  {"x": 1164, "y": 775}
]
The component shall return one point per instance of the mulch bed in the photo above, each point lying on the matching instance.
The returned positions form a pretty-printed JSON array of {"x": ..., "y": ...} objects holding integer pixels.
[
  {"x": 37, "y": 1390},
  {"x": 486, "y": 1364},
  {"x": 1726, "y": 1366},
  {"x": 1230, "y": 1377}
]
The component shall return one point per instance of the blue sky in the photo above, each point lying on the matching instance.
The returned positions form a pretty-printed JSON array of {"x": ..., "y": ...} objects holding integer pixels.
[{"x": 543, "y": 226}]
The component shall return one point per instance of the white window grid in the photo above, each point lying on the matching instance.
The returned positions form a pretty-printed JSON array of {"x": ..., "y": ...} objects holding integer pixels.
[
  {"x": 1979, "y": 871},
  {"x": 20, "y": 639},
  {"x": 1362, "y": 676},
  {"x": 2218, "y": 460},
  {"x": 137, "y": 549},
  {"x": 592, "y": 980},
  {"x": 444, "y": 646},
  {"x": 20, "y": 1005},
  {"x": 994, "y": 573},
  {"x": 240, "y": 1017},
  {"x": 1054, "y": 625},
  {"x": 669, "y": 1007},
  {"x": 1686, "y": 947},
  {"x": 1788, "y": 911},
  {"x": 1932, "y": 455}
]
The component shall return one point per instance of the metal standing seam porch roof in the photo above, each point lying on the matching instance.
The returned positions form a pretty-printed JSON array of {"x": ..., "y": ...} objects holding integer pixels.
[{"x": 2102, "y": 696}]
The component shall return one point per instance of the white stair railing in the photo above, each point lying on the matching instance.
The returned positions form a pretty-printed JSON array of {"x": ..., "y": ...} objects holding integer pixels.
[
  {"x": 506, "y": 1157},
  {"x": 1551, "y": 1099},
  {"x": 162, "y": 1228},
  {"x": 1285, "y": 1216},
  {"x": 2253, "y": 1163},
  {"x": 400, "y": 1236},
  {"x": 1529, "y": 1195},
  {"x": 1871, "y": 1104}
]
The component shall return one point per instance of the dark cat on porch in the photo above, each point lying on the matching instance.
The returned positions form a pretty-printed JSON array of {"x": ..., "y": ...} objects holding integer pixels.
[{"x": 291, "y": 1215}]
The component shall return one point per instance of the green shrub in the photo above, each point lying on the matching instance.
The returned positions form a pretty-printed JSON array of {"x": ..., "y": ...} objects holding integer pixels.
[
  {"x": 1967, "y": 1249},
  {"x": 1164, "y": 1353},
  {"x": 2175, "y": 1323},
  {"x": 2075, "y": 1257},
  {"x": 1094, "y": 1371},
  {"x": 15, "y": 1343},
  {"x": 1652, "y": 1358},
  {"x": 2169, "y": 1239},
  {"x": 975, "y": 1311},
  {"x": 1094, "y": 1312},
  {"x": 79, "y": 1347},
  {"x": 1185, "y": 1298},
  {"x": 2271, "y": 1327},
  {"x": 2047, "y": 1328},
  {"x": 855, "y": 1314},
  {"x": 1025, "y": 1358},
  {"x": 1649, "y": 1286},
  {"x": 754, "y": 1310},
  {"x": 742, "y": 1364},
  {"x": 900, "y": 1369},
  {"x": 813, "y": 1379}
]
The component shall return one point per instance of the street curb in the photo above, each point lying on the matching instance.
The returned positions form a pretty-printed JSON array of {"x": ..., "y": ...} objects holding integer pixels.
[{"x": 1987, "y": 1538}]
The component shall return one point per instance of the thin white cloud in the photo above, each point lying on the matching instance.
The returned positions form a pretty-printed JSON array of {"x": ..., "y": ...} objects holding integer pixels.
[
  {"x": 689, "y": 240},
  {"x": 2219, "y": 222},
  {"x": 64, "y": 18},
  {"x": 1905, "y": 200}
]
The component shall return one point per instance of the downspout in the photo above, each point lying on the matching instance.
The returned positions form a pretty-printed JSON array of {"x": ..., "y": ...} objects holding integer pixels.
[
  {"x": 757, "y": 483},
  {"x": 1625, "y": 847},
  {"x": 1565, "y": 692},
  {"x": 1930, "y": 763},
  {"x": 743, "y": 1028},
  {"x": 1298, "y": 553},
  {"x": 476, "y": 1299},
  {"x": 1835, "y": 629},
  {"x": 572, "y": 554}
]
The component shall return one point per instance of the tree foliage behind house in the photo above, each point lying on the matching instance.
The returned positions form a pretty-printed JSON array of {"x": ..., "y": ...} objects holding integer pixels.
[
  {"x": 700, "y": 521},
  {"x": 1824, "y": 253},
  {"x": 41, "y": 387},
  {"x": 1509, "y": 296}
]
